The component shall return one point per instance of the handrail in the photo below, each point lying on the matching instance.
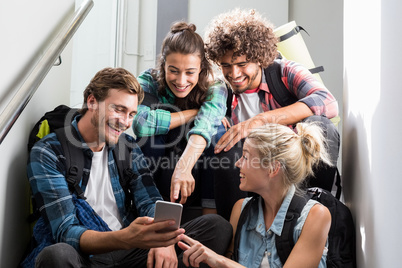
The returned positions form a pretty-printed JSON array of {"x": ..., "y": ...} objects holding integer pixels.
[{"x": 40, "y": 70}]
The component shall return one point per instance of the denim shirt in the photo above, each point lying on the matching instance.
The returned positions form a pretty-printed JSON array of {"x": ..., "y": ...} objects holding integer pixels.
[{"x": 255, "y": 241}]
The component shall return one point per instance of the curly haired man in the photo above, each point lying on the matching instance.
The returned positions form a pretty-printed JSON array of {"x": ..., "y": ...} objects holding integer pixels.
[{"x": 242, "y": 43}]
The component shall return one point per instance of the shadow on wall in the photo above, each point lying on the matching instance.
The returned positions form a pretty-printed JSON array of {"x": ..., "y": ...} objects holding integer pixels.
[
  {"x": 15, "y": 224},
  {"x": 357, "y": 188}
]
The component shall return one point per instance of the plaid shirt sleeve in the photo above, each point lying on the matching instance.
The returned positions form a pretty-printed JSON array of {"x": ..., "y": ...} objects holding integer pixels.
[
  {"x": 308, "y": 89},
  {"x": 148, "y": 122},
  {"x": 212, "y": 111},
  {"x": 51, "y": 193}
]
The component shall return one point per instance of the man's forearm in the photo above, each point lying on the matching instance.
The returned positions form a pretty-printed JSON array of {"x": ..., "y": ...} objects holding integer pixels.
[
  {"x": 288, "y": 115},
  {"x": 94, "y": 242}
]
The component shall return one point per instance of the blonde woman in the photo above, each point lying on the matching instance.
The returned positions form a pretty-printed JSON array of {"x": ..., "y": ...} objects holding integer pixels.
[{"x": 274, "y": 164}]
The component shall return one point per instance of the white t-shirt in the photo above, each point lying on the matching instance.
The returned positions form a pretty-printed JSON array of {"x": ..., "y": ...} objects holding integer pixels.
[
  {"x": 249, "y": 106},
  {"x": 99, "y": 192},
  {"x": 264, "y": 262}
]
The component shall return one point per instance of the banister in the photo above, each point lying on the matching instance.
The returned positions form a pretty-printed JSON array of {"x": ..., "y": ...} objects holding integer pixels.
[{"x": 35, "y": 76}]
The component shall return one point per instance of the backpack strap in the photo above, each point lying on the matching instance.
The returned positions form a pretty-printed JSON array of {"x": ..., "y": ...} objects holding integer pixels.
[
  {"x": 284, "y": 243},
  {"x": 291, "y": 33},
  {"x": 122, "y": 157},
  {"x": 74, "y": 160},
  {"x": 229, "y": 100},
  {"x": 317, "y": 69},
  {"x": 242, "y": 219},
  {"x": 75, "y": 165},
  {"x": 338, "y": 184},
  {"x": 279, "y": 91}
]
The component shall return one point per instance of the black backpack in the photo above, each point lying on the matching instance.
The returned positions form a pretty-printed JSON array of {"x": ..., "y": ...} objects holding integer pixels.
[
  {"x": 59, "y": 121},
  {"x": 341, "y": 237}
]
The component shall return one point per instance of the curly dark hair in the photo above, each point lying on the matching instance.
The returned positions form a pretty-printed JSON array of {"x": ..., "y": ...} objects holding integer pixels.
[
  {"x": 111, "y": 78},
  {"x": 246, "y": 33},
  {"x": 183, "y": 39}
]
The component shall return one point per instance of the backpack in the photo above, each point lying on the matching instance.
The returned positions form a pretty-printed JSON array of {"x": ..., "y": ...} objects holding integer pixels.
[
  {"x": 341, "y": 237},
  {"x": 59, "y": 121}
]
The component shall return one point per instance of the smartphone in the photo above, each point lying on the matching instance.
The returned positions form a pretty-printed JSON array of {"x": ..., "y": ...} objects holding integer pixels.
[{"x": 168, "y": 211}]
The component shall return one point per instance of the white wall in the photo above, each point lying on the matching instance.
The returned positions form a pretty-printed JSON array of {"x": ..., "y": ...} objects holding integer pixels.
[
  {"x": 372, "y": 131},
  {"x": 201, "y": 12},
  {"x": 323, "y": 20},
  {"x": 24, "y": 39},
  {"x": 139, "y": 39},
  {"x": 94, "y": 46}
]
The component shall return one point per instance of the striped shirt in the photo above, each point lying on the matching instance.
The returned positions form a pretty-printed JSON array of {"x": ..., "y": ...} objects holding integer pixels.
[
  {"x": 150, "y": 122},
  {"x": 302, "y": 84},
  {"x": 46, "y": 172}
]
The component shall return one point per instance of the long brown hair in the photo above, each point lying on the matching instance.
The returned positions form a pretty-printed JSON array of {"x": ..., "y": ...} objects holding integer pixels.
[{"x": 183, "y": 39}]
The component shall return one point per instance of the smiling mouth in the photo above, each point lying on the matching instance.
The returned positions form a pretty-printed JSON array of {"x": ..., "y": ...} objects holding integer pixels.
[
  {"x": 115, "y": 130},
  {"x": 181, "y": 88},
  {"x": 238, "y": 81}
]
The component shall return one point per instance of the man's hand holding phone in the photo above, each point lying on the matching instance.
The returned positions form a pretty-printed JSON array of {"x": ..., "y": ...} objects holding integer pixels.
[{"x": 168, "y": 211}]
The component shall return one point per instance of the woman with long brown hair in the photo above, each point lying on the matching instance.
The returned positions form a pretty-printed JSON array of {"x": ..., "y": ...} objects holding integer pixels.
[{"x": 181, "y": 119}]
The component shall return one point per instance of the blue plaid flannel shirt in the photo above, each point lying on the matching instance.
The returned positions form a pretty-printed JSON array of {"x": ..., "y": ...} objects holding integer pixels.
[{"x": 46, "y": 173}]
